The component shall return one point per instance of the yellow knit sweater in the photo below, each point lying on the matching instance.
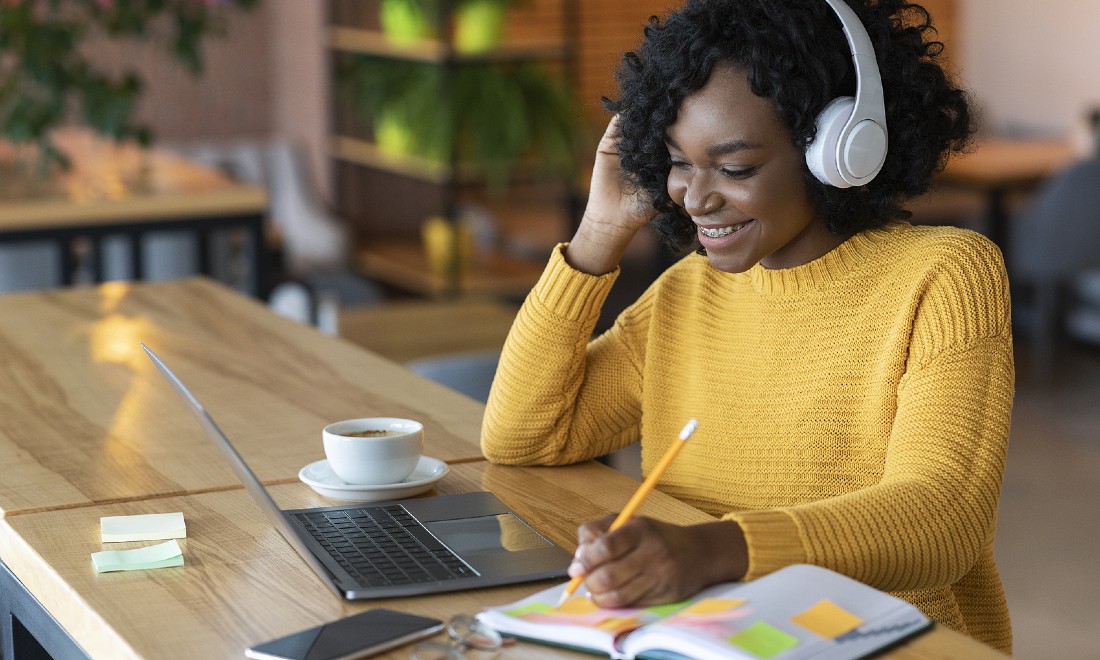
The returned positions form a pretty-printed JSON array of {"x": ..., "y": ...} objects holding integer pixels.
[{"x": 853, "y": 411}]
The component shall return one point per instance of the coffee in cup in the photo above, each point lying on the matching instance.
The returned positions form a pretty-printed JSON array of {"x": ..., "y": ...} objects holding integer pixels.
[
  {"x": 373, "y": 450},
  {"x": 372, "y": 433}
]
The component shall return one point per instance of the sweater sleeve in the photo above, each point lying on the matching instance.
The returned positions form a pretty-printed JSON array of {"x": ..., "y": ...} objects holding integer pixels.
[
  {"x": 557, "y": 397},
  {"x": 929, "y": 518}
]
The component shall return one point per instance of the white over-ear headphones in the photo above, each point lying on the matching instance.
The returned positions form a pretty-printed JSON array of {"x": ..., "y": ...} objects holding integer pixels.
[{"x": 850, "y": 146}]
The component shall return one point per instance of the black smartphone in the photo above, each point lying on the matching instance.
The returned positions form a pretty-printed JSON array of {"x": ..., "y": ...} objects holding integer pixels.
[{"x": 356, "y": 636}]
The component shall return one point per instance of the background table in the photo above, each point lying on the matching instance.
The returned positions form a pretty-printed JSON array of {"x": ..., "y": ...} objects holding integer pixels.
[
  {"x": 124, "y": 190},
  {"x": 999, "y": 166},
  {"x": 405, "y": 330}
]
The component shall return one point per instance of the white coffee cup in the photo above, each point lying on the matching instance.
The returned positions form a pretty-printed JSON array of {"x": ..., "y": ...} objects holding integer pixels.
[{"x": 373, "y": 450}]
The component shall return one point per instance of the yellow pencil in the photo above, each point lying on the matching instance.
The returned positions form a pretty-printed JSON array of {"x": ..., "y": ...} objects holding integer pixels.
[{"x": 639, "y": 496}]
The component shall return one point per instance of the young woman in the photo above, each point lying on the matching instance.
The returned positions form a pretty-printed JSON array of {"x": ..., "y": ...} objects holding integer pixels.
[{"x": 852, "y": 374}]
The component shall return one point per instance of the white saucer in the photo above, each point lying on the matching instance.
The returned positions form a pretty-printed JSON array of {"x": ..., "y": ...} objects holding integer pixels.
[{"x": 320, "y": 477}]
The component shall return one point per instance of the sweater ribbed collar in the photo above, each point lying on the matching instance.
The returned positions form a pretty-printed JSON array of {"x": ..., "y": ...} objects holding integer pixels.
[{"x": 851, "y": 256}]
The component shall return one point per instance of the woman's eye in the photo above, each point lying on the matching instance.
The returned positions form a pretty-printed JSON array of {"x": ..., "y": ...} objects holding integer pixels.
[
  {"x": 678, "y": 164},
  {"x": 738, "y": 173}
]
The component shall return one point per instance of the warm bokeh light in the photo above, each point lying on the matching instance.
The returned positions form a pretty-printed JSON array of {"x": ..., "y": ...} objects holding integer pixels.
[
  {"x": 111, "y": 294},
  {"x": 117, "y": 339}
]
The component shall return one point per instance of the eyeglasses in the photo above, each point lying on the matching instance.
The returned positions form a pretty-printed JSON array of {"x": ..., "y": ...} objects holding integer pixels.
[{"x": 469, "y": 639}]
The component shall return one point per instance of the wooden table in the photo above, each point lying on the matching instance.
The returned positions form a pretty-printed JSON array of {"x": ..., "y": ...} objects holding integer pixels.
[
  {"x": 404, "y": 264},
  {"x": 407, "y": 330},
  {"x": 1000, "y": 166},
  {"x": 88, "y": 429},
  {"x": 85, "y": 418},
  {"x": 242, "y": 584},
  {"x": 123, "y": 190}
]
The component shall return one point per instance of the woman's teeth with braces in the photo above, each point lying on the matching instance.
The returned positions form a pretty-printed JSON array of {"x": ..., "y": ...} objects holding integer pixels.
[{"x": 721, "y": 231}]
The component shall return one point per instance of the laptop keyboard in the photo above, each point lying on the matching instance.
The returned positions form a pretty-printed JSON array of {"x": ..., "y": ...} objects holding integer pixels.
[{"x": 383, "y": 546}]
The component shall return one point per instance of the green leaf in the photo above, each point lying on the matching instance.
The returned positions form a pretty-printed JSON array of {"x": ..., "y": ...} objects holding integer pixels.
[{"x": 44, "y": 78}]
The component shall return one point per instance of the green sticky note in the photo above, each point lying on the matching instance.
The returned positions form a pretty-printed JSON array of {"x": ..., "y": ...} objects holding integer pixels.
[
  {"x": 162, "y": 555},
  {"x": 764, "y": 640},
  {"x": 530, "y": 608},
  {"x": 665, "y": 610}
]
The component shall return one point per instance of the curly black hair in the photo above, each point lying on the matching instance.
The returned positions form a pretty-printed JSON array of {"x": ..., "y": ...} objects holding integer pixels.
[{"x": 795, "y": 54}]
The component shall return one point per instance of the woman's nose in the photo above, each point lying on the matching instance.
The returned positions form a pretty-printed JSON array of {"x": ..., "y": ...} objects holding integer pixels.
[{"x": 700, "y": 198}]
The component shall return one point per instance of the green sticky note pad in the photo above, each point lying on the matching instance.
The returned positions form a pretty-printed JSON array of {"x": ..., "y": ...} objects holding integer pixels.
[
  {"x": 764, "y": 640},
  {"x": 162, "y": 555},
  {"x": 666, "y": 610},
  {"x": 531, "y": 608}
]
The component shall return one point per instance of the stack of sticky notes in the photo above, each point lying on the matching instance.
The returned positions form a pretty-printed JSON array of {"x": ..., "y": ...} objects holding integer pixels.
[{"x": 147, "y": 527}]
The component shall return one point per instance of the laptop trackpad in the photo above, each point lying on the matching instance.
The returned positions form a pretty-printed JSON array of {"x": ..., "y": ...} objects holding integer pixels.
[{"x": 493, "y": 533}]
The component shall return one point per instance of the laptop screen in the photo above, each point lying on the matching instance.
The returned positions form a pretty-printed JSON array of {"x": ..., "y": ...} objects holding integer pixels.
[{"x": 240, "y": 468}]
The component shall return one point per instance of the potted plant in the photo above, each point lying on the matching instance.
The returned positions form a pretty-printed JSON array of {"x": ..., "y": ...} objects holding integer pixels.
[
  {"x": 47, "y": 83},
  {"x": 491, "y": 116},
  {"x": 408, "y": 21},
  {"x": 478, "y": 25}
]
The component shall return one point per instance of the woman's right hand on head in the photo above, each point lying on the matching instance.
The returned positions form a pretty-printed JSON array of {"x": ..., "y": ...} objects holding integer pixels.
[
  {"x": 615, "y": 212},
  {"x": 613, "y": 201}
]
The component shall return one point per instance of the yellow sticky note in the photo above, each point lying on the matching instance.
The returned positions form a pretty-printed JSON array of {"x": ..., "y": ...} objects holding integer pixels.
[
  {"x": 616, "y": 625},
  {"x": 580, "y": 605},
  {"x": 712, "y": 606},
  {"x": 145, "y": 527},
  {"x": 828, "y": 620}
]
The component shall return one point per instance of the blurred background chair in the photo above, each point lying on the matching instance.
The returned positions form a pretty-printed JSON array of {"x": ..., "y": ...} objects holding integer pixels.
[
  {"x": 1083, "y": 317},
  {"x": 28, "y": 265},
  {"x": 1055, "y": 246},
  {"x": 310, "y": 242},
  {"x": 470, "y": 373}
]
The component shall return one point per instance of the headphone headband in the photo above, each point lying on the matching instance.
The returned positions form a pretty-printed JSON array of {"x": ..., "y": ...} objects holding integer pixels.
[
  {"x": 868, "y": 80},
  {"x": 851, "y": 141}
]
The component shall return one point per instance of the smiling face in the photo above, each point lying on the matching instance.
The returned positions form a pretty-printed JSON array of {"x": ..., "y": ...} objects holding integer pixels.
[{"x": 739, "y": 177}]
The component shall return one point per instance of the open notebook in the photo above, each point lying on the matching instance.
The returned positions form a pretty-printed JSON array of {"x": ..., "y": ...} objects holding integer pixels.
[{"x": 798, "y": 612}]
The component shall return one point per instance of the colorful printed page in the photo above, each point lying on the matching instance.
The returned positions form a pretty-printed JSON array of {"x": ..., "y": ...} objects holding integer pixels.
[
  {"x": 798, "y": 612},
  {"x": 795, "y": 613},
  {"x": 578, "y": 623}
]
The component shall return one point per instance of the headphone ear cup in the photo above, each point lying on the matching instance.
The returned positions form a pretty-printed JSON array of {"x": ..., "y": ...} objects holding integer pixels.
[{"x": 822, "y": 154}]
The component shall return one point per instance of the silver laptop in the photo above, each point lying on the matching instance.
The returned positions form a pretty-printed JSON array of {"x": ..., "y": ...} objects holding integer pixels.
[{"x": 401, "y": 548}]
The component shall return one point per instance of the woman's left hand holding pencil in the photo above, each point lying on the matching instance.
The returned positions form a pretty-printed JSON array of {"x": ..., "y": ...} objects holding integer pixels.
[{"x": 649, "y": 562}]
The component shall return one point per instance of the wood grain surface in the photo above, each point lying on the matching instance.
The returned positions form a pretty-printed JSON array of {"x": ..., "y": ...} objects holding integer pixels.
[{"x": 85, "y": 417}]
